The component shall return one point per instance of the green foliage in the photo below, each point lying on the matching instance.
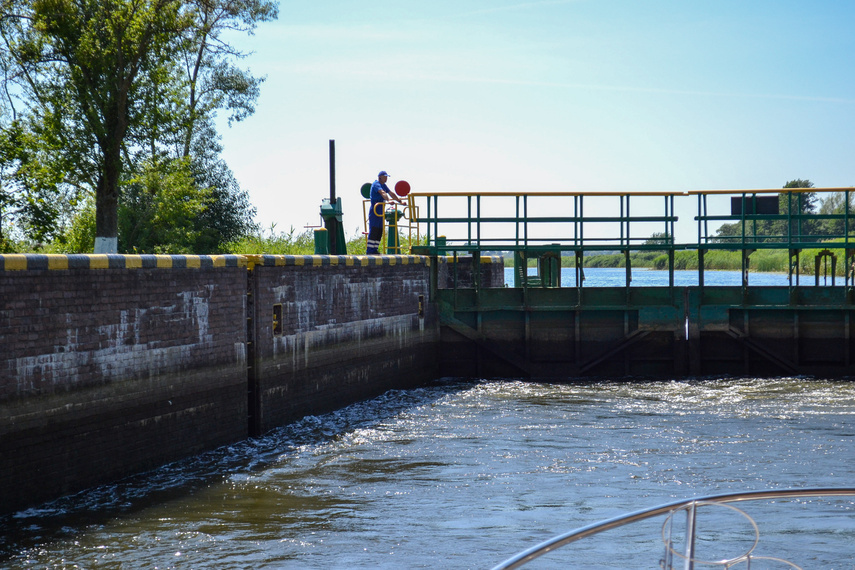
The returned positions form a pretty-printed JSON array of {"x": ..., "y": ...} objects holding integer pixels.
[
  {"x": 159, "y": 210},
  {"x": 80, "y": 236},
  {"x": 357, "y": 244},
  {"x": 658, "y": 238},
  {"x": 609, "y": 260},
  {"x": 84, "y": 64},
  {"x": 32, "y": 195},
  {"x": 797, "y": 203},
  {"x": 212, "y": 80},
  {"x": 274, "y": 243},
  {"x": 404, "y": 239},
  {"x": 763, "y": 260},
  {"x": 836, "y": 203},
  {"x": 722, "y": 260},
  {"x": 636, "y": 258},
  {"x": 97, "y": 92},
  {"x": 802, "y": 202},
  {"x": 799, "y": 183},
  {"x": 769, "y": 260},
  {"x": 229, "y": 214}
]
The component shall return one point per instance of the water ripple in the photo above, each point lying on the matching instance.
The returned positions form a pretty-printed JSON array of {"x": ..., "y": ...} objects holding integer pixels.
[{"x": 460, "y": 475}]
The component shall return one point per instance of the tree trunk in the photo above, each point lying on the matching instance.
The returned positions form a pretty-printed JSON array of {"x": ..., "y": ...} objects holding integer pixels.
[
  {"x": 107, "y": 191},
  {"x": 107, "y": 202},
  {"x": 106, "y": 216}
]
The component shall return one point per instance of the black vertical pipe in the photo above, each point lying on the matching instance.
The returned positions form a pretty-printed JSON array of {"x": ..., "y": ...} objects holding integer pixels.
[{"x": 332, "y": 171}]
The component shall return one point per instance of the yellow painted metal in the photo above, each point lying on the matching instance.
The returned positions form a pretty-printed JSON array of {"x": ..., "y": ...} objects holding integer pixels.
[
  {"x": 413, "y": 195},
  {"x": 543, "y": 193}
]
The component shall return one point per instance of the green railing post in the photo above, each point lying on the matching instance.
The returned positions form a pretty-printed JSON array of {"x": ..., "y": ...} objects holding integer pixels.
[
  {"x": 628, "y": 265},
  {"x": 478, "y": 221},
  {"x": 519, "y": 269},
  {"x": 469, "y": 222},
  {"x": 393, "y": 240},
  {"x": 549, "y": 268}
]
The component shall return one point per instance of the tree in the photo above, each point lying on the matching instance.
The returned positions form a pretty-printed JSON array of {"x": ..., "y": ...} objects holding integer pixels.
[
  {"x": 159, "y": 209},
  {"x": 836, "y": 204},
  {"x": 229, "y": 213},
  {"x": 158, "y": 213},
  {"x": 31, "y": 193},
  {"x": 204, "y": 81},
  {"x": 799, "y": 203},
  {"x": 794, "y": 202},
  {"x": 115, "y": 89},
  {"x": 79, "y": 65},
  {"x": 213, "y": 81},
  {"x": 658, "y": 238}
]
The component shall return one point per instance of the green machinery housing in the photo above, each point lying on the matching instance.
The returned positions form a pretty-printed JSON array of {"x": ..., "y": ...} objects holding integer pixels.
[{"x": 540, "y": 327}]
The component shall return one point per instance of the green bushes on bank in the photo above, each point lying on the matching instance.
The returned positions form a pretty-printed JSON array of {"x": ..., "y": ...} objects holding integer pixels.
[
  {"x": 763, "y": 260},
  {"x": 271, "y": 242}
]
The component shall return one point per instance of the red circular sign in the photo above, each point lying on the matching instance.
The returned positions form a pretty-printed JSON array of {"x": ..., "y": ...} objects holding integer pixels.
[{"x": 402, "y": 188}]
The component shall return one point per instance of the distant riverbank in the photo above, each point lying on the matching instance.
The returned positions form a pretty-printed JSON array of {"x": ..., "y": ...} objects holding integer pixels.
[
  {"x": 763, "y": 260},
  {"x": 646, "y": 277}
]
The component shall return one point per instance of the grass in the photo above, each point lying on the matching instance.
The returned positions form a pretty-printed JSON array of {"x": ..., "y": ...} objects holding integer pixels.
[{"x": 271, "y": 242}]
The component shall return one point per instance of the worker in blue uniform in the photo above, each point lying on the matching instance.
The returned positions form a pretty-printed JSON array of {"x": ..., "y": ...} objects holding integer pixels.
[{"x": 380, "y": 194}]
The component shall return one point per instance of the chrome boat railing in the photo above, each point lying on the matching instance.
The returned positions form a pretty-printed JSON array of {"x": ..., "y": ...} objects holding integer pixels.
[{"x": 686, "y": 558}]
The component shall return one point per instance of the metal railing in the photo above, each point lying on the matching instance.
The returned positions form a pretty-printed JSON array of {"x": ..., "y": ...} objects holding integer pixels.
[
  {"x": 534, "y": 224},
  {"x": 758, "y": 228},
  {"x": 465, "y": 219},
  {"x": 690, "y": 506},
  {"x": 399, "y": 221},
  {"x": 515, "y": 217}
]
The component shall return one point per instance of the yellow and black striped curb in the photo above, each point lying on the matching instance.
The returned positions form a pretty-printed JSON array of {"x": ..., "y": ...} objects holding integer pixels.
[
  {"x": 22, "y": 262},
  {"x": 333, "y": 260},
  {"x": 34, "y": 262}
]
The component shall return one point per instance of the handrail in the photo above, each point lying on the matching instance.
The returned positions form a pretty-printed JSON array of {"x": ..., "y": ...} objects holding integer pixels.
[
  {"x": 769, "y": 191},
  {"x": 567, "y": 220},
  {"x": 564, "y": 539},
  {"x": 536, "y": 193},
  {"x": 458, "y": 193},
  {"x": 580, "y": 223},
  {"x": 635, "y": 193}
]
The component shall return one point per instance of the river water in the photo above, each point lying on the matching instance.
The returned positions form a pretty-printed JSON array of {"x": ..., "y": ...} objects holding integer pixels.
[
  {"x": 464, "y": 474},
  {"x": 643, "y": 277}
]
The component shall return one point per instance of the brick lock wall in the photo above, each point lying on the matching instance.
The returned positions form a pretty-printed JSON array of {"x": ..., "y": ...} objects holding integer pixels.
[
  {"x": 110, "y": 365},
  {"x": 350, "y": 330}
]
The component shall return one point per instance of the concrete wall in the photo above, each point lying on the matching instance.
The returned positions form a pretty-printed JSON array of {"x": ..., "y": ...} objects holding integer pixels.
[{"x": 111, "y": 365}]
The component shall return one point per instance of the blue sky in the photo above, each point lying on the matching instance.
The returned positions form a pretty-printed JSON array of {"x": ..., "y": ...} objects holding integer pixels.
[{"x": 565, "y": 95}]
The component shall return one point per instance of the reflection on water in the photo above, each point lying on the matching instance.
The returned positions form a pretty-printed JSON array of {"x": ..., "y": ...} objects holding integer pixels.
[{"x": 464, "y": 475}]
